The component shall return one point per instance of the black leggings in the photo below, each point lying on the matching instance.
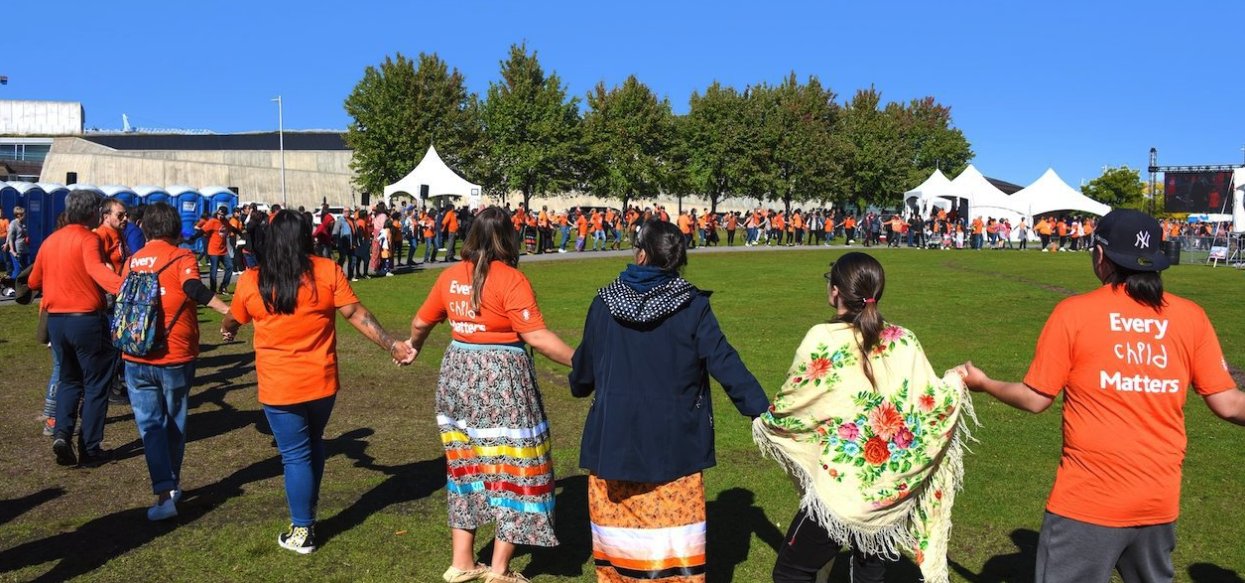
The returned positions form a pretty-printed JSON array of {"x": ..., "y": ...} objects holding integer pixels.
[{"x": 808, "y": 547}]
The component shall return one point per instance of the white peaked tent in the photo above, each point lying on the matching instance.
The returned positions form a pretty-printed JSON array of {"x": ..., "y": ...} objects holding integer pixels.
[
  {"x": 1050, "y": 193},
  {"x": 929, "y": 193},
  {"x": 984, "y": 199},
  {"x": 1238, "y": 200},
  {"x": 440, "y": 180}
]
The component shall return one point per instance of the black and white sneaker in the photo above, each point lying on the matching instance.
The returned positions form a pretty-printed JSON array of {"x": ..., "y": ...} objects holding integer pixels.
[{"x": 300, "y": 539}]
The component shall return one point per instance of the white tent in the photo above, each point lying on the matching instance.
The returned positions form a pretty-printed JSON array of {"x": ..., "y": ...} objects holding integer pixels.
[
  {"x": 438, "y": 178},
  {"x": 1050, "y": 193},
  {"x": 984, "y": 199},
  {"x": 929, "y": 193},
  {"x": 1238, "y": 200}
]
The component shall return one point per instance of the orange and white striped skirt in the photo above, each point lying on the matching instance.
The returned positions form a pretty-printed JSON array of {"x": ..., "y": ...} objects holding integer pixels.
[{"x": 648, "y": 532}]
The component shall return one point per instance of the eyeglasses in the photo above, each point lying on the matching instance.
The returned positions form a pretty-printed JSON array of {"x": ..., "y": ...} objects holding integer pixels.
[{"x": 120, "y": 214}]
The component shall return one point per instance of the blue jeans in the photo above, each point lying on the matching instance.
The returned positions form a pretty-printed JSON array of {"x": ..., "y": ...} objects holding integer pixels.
[
  {"x": 213, "y": 262},
  {"x": 49, "y": 398},
  {"x": 299, "y": 430},
  {"x": 88, "y": 365},
  {"x": 158, "y": 396},
  {"x": 17, "y": 263},
  {"x": 566, "y": 236},
  {"x": 598, "y": 240}
]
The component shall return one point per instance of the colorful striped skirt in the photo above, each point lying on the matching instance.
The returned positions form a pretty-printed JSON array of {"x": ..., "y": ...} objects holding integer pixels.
[
  {"x": 648, "y": 532},
  {"x": 497, "y": 443}
]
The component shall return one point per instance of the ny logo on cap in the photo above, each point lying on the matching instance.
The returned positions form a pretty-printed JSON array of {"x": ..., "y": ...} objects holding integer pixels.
[{"x": 1143, "y": 240}]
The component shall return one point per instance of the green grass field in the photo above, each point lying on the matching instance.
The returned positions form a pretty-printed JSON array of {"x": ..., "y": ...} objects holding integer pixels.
[{"x": 382, "y": 509}]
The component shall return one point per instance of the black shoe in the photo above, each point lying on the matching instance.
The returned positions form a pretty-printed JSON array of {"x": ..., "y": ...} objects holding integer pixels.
[
  {"x": 300, "y": 539},
  {"x": 94, "y": 460},
  {"x": 64, "y": 452}
]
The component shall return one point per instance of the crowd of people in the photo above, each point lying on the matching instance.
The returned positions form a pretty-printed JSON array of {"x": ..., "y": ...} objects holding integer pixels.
[{"x": 871, "y": 435}]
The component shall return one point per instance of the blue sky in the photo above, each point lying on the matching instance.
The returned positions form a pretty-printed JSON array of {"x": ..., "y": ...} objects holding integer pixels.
[{"x": 1075, "y": 85}]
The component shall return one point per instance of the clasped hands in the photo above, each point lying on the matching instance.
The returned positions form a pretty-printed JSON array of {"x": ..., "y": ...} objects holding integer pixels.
[{"x": 403, "y": 352}]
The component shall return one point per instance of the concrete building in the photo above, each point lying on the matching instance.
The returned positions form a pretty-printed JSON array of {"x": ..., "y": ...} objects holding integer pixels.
[{"x": 41, "y": 118}]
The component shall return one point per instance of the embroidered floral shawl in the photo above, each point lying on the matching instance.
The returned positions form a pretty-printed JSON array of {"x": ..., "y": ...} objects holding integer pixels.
[{"x": 877, "y": 468}]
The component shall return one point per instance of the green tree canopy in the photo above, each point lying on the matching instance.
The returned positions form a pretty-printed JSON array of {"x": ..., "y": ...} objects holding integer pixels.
[
  {"x": 531, "y": 129},
  {"x": 399, "y": 109},
  {"x": 628, "y": 136},
  {"x": 715, "y": 139},
  {"x": 793, "y": 153},
  {"x": 1117, "y": 187}
]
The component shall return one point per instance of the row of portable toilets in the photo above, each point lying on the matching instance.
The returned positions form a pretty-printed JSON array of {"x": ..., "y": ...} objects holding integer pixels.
[{"x": 45, "y": 201}]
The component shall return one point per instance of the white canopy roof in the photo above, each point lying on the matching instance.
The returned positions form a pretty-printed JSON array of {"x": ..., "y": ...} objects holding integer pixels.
[
  {"x": 1050, "y": 193},
  {"x": 1238, "y": 200},
  {"x": 984, "y": 199},
  {"x": 929, "y": 193},
  {"x": 438, "y": 177}
]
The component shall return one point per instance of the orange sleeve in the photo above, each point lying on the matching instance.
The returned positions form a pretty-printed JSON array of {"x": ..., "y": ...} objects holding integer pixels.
[
  {"x": 246, "y": 291},
  {"x": 1052, "y": 358},
  {"x": 433, "y": 309},
  {"x": 93, "y": 259},
  {"x": 521, "y": 308},
  {"x": 1209, "y": 371},
  {"x": 343, "y": 294}
]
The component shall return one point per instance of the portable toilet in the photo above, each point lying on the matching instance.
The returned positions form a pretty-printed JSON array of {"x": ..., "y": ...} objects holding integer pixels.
[
  {"x": 125, "y": 194},
  {"x": 53, "y": 205},
  {"x": 84, "y": 186},
  {"x": 219, "y": 196},
  {"x": 190, "y": 207},
  {"x": 36, "y": 209},
  {"x": 10, "y": 198},
  {"x": 152, "y": 194}
]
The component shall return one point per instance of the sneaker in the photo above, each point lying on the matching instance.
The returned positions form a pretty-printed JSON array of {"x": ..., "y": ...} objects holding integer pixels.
[
  {"x": 64, "y": 452},
  {"x": 456, "y": 575},
  {"x": 354, "y": 279},
  {"x": 389, "y": 274},
  {"x": 49, "y": 427},
  {"x": 175, "y": 495},
  {"x": 300, "y": 539},
  {"x": 94, "y": 460},
  {"x": 162, "y": 510}
]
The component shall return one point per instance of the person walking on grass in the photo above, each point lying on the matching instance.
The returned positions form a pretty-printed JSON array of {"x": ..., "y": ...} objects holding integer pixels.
[
  {"x": 489, "y": 410},
  {"x": 870, "y": 434},
  {"x": 651, "y": 341},
  {"x": 1126, "y": 356},
  {"x": 294, "y": 298},
  {"x": 71, "y": 271},
  {"x": 159, "y": 382}
]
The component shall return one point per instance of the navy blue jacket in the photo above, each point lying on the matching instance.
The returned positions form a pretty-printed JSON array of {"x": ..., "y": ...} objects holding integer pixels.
[{"x": 651, "y": 419}]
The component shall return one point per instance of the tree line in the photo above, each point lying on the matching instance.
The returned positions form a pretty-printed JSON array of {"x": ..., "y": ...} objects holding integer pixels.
[{"x": 787, "y": 144}]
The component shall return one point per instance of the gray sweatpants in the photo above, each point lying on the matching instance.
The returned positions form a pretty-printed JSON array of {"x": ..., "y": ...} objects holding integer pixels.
[{"x": 1071, "y": 550}]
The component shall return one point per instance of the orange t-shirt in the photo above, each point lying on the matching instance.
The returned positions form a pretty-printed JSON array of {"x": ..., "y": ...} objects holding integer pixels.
[
  {"x": 797, "y": 221},
  {"x": 1062, "y": 228},
  {"x": 507, "y": 306},
  {"x": 181, "y": 345},
  {"x": 778, "y": 222},
  {"x": 450, "y": 221},
  {"x": 685, "y": 224},
  {"x": 1126, "y": 371},
  {"x": 977, "y": 226},
  {"x": 215, "y": 232},
  {"x": 70, "y": 270},
  {"x": 582, "y": 225},
  {"x": 111, "y": 239},
  {"x": 296, "y": 354},
  {"x": 849, "y": 223}
]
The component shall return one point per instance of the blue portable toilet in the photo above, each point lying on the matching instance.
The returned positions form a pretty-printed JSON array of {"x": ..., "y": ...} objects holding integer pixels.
[
  {"x": 219, "y": 196},
  {"x": 53, "y": 205},
  {"x": 190, "y": 207},
  {"x": 32, "y": 195},
  {"x": 152, "y": 194},
  {"x": 10, "y": 198},
  {"x": 125, "y": 194}
]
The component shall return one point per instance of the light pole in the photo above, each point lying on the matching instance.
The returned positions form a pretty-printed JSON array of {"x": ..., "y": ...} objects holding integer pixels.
[{"x": 285, "y": 203}]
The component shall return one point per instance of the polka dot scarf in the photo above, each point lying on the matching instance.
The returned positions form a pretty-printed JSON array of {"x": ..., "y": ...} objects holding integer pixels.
[{"x": 628, "y": 305}]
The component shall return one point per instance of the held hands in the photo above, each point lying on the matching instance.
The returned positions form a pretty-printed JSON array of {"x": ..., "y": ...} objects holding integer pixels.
[
  {"x": 403, "y": 353},
  {"x": 974, "y": 378},
  {"x": 226, "y": 335}
]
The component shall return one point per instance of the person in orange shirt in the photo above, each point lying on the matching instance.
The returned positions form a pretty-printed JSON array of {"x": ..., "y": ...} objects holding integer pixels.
[
  {"x": 488, "y": 404},
  {"x": 1061, "y": 228},
  {"x": 797, "y": 225},
  {"x": 1127, "y": 355},
  {"x": 294, "y": 298},
  {"x": 849, "y": 228},
  {"x": 581, "y": 225},
  {"x": 564, "y": 228},
  {"x": 598, "y": 231},
  {"x": 732, "y": 223},
  {"x": 111, "y": 223},
  {"x": 829, "y": 228},
  {"x": 977, "y": 227},
  {"x": 685, "y": 228},
  {"x": 71, "y": 271},
  {"x": 450, "y": 223},
  {"x": 217, "y": 230},
  {"x": 159, "y": 382}
]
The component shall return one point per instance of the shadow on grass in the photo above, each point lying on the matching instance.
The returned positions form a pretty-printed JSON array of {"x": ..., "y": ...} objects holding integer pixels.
[
  {"x": 732, "y": 519},
  {"x": 572, "y": 528},
  {"x": 406, "y": 482},
  {"x": 10, "y": 509},
  {"x": 93, "y": 544},
  {"x": 1208, "y": 573},
  {"x": 1013, "y": 567}
]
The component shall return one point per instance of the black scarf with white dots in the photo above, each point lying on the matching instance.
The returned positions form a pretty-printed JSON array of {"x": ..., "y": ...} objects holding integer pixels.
[{"x": 628, "y": 305}]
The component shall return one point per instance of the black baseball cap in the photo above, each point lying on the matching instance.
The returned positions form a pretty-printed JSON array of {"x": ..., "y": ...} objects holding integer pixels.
[{"x": 1131, "y": 240}]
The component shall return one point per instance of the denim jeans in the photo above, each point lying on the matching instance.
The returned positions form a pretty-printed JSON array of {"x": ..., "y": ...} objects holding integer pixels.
[
  {"x": 17, "y": 263},
  {"x": 88, "y": 366},
  {"x": 49, "y": 398},
  {"x": 566, "y": 236},
  {"x": 213, "y": 262},
  {"x": 158, "y": 395},
  {"x": 299, "y": 430}
]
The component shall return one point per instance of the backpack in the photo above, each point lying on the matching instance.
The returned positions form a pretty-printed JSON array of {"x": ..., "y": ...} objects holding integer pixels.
[{"x": 138, "y": 314}]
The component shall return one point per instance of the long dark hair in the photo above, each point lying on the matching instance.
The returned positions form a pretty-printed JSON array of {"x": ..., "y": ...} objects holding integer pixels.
[
  {"x": 860, "y": 281},
  {"x": 284, "y": 259},
  {"x": 1144, "y": 287},
  {"x": 490, "y": 239}
]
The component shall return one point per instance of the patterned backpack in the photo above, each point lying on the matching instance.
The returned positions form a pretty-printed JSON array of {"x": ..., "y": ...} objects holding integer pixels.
[{"x": 138, "y": 313}]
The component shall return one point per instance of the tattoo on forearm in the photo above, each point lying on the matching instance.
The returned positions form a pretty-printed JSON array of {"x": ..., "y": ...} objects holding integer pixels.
[{"x": 381, "y": 336}]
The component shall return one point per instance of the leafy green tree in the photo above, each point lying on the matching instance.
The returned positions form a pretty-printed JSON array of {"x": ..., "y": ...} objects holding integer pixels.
[
  {"x": 401, "y": 107},
  {"x": 874, "y": 161},
  {"x": 1117, "y": 187},
  {"x": 715, "y": 139},
  {"x": 628, "y": 135},
  {"x": 928, "y": 140},
  {"x": 795, "y": 146},
  {"x": 531, "y": 129}
]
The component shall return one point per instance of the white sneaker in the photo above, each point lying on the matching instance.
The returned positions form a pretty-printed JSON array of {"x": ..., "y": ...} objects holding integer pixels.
[
  {"x": 162, "y": 510},
  {"x": 176, "y": 495},
  {"x": 354, "y": 279},
  {"x": 389, "y": 274}
]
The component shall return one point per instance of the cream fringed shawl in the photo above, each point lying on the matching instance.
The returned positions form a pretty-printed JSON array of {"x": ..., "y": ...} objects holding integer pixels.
[{"x": 877, "y": 468}]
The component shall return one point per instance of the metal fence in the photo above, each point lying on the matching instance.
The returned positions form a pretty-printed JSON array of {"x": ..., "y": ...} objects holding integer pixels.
[{"x": 1221, "y": 250}]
